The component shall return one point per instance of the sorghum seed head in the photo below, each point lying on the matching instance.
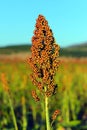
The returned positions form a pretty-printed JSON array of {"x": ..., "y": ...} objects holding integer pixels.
[
  {"x": 44, "y": 59},
  {"x": 55, "y": 114},
  {"x": 5, "y": 83},
  {"x": 35, "y": 96}
]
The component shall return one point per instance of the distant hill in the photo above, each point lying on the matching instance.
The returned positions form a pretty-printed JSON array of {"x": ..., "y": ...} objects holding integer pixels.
[
  {"x": 74, "y": 50},
  {"x": 15, "y": 49}
]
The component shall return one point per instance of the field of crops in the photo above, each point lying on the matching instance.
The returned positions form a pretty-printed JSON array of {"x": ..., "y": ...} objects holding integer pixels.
[{"x": 70, "y": 98}]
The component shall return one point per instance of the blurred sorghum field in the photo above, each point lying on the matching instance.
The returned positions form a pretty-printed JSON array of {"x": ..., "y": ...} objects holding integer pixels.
[{"x": 70, "y": 98}]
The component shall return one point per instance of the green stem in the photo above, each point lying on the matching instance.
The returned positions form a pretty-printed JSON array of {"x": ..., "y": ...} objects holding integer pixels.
[
  {"x": 24, "y": 117},
  {"x": 13, "y": 114},
  {"x": 47, "y": 113}
]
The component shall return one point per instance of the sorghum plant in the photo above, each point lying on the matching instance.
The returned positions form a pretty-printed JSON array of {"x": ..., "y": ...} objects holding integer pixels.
[
  {"x": 8, "y": 92},
  {"x": 44, "y": 62}
]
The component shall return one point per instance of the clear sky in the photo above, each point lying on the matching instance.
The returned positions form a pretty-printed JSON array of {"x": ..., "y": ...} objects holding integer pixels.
[{"x": 67, "y": 19}]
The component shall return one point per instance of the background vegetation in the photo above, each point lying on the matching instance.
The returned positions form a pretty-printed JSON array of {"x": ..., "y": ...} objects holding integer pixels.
[{"x": 71, "y": 97}]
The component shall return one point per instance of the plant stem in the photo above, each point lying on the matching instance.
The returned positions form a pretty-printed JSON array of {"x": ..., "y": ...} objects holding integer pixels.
[
  {"x": 47, "y": 113},
  {"x": 24, "y": 117},
  {"x": 13, "y": 114}
]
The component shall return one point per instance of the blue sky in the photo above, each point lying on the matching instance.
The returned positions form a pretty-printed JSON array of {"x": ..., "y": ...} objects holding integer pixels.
[{"x": 66, "y": 18}]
